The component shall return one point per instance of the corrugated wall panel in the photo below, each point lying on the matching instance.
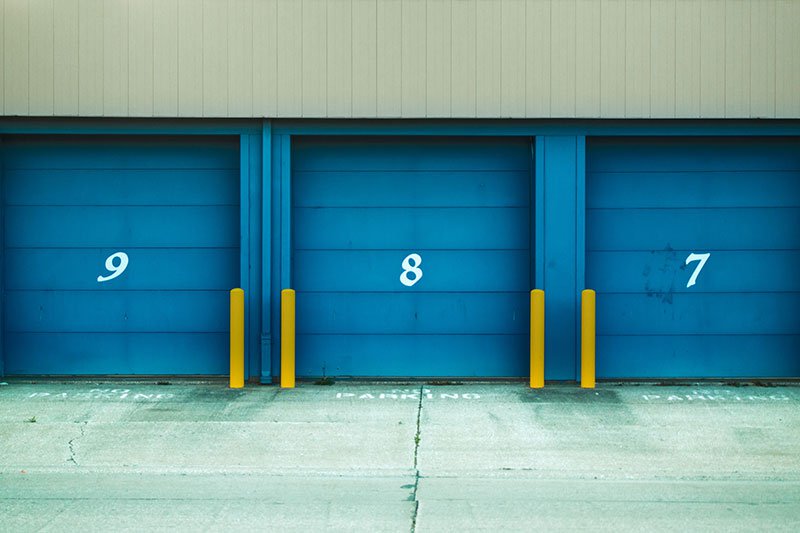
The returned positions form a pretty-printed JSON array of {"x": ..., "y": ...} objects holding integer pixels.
[
  {"x": 40, "y": 57},
  {"x": 140, "y": 59},
  {"x": 612, "y": 58},
  {"x": 488, "y": 59},
  {"x": 562, "y": 59},
  {"x": 587, "y": 59},
  {"x": 787, "y": 55},
  {"x": 438, "y": 62},
  {"x": 512, "y": 63},
  {"x": 637, "y": 59},
  {"x": 401, "y": 58},
  {"x": 364, "y": 84},
  {"x": 90, "y": 52},
  {"x": 389, "y": 50},
  {"x": 762, "y": 59},
  {"x": 265, "y": 58},
  {"x": 463, "y": 62},
  {"x": 15, "y": 49},
  {"x": 190, "y": 59},
  {"x": 165, "y": 58},
  {"x": 662, "y": 65},
  {"x": 687, "y": 60},
  {"x": 314, "y": 58},
  {"x": 115, "y": 58},
  {"x": 537, "y": 63},
  {"x": 413, "y": 57},
  {"x": 340, "y": 59}
]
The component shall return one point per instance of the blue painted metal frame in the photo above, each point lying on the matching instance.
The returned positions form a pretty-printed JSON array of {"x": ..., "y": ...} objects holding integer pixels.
[
  {"x": 2, "y": 261},
  {"x": 266, "y": 254}
]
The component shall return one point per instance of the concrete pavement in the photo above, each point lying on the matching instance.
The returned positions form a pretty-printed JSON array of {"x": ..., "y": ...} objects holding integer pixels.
[{"x": 129, "y": 455}]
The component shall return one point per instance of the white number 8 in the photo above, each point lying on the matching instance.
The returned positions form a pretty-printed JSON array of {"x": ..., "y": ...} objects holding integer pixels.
[{"x": 116, "y": 270}]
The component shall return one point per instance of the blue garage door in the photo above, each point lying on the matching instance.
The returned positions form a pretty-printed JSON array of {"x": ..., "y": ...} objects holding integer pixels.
[
  {"x": 370, "y": 214},
  {"x": 694, "y": 250},
  {"x": 118, "y": 254}
]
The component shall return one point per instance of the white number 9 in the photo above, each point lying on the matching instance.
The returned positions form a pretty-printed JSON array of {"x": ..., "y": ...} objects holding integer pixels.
[{"x": 116, "y": 270}]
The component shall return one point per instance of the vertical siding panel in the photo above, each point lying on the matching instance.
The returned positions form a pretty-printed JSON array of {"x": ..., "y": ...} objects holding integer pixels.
[
  {"x": 339, "y": 92},
  {"x": 90, "y": 58},
  {"x": 240, "y": 58},
  {"x": 215, "y": 58},
  {"x": 365, "y": 58},
  {"x": 488, "y": 61},
  {"x": 140, "y": 48},
  {"x": 513, "y": 49},
  {"x": 562, "y": 90},
  {"x": 413, "y": 58},
  {"x": 115, "y": 58},
  {"x": 65, "y": 57},
  {"x": 712, "y": 59},
  {"x": 40, "y": 55},
  {"x": 637, "y": 58},
  {"x": 662, "y": 58},
  {"x": 265, "y": 58},
  {"x": 165, "y": 58},
  {"x": 314, "y": 58},
  {"x": 190, "y": 58},
  {"x": 737, "y": 58},
  {"x": 2, "y": 56},
  {"x": 762, "y": 59},
  {"x": 537, "y": 63},
  {"x": 462, "y": 84},
  {"x": 290, "y": 58},
  {"x": 389, "y": 58},
  {"x": 787, "y": 56},
  {"x": 687, "y": 59},
  {"x": 438, "y": 61},
  {"x": 612, "y": 58},
  {"x": 15, "y": 49},
  {"x": 587, "y": 59}
]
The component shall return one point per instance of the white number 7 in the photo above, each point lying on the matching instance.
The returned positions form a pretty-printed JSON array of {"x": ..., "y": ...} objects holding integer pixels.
[{"x": 696, "y": 257}]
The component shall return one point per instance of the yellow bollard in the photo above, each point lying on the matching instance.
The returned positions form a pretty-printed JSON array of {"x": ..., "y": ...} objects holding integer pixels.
[
  {"x": 537, "y": 339},
  {"x": 588, "y": 331},
  {"x": 237, "y": 339},
  {"x": 287, "y": 338}
]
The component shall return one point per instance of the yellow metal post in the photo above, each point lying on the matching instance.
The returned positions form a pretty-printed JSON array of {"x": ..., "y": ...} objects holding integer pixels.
[
  {"x": 237, "y": 339},
  {"x": 287, "y": 338},
  {"x": 588, "y": 321},
  {"x": 537, "y": 339}
]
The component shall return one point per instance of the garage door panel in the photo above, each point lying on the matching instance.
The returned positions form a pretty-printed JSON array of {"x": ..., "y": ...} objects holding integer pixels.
[
  {"x": 420, "y": 313},
  {"x": 451, "y": 270},
  {"x": 476, "y": 188},
  {"x": 731, "y": 356},
  {"x": 118, "y": 152},
  {"x": 120, "y": 311},
  {"x": 411, "y": 154},
  {"x": 98, "y": 187},
  {"x": 725, "y": 271},
  {"x": 412, "y": 228},
  {"x": 110, "y": 353},
  {"x": 691, "y": 190},
  {"x": 413, "y": 355},
  {"x": 699, "y": 313},
  {"x": 693, "y": 229},
  {"x": 148, "y": 268},
  {"x": 695, "y": 154},
  {"x": 121, "y": 227}
]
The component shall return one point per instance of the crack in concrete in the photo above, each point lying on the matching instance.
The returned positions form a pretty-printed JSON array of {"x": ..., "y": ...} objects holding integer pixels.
[
  {"x": 417, "y": 439},
  {"x": 71, "y": 442}
]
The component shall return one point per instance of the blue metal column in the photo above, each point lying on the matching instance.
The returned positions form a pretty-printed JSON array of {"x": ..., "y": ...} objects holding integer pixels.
[
  {"x": 560, "y": 178},
  {"x": 265, "y": 295}
]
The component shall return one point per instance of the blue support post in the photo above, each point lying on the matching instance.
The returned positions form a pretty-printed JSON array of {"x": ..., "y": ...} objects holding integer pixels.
[
  {"x": 561, "y": 251},
  {"x": 265, "y": 295}
]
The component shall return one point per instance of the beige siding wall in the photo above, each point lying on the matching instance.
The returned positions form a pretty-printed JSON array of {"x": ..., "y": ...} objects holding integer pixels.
[{"x": 401, "y": 58}]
